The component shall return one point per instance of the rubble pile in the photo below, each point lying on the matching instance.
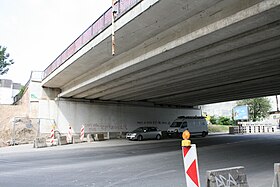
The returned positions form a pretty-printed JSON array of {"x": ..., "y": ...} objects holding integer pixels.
[{"x": 23, "y": 133}]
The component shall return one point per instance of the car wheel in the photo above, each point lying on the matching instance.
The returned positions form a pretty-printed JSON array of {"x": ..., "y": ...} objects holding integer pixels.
[
  {"x": 140, "y": 138},
  {"x": 158, "y": 137},
  {"x": 204, "y": 134}
]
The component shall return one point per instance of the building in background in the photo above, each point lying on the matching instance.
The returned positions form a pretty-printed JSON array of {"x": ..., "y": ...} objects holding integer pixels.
[
  {"x": 219, "y": 109},
  {"x": 8, "y": 90}
]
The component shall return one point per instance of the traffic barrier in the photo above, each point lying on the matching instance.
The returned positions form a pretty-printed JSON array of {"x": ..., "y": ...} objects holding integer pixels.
[
  {"x": 234, "y": 130},
  {"x": 82, "y": 133},
  {"x": 69, "y": 135},
  {"x": 190, "y": 161},
  {"x": 39, "y": 142},
  {"x": 52, "y": 137},
  {"x": 90, "y": 138},
  {"x": 63, "y": 140},
  {"x": 99, "y": 137},
  {"x": 76, "y": 139},
  {"x": 276, "y": 180},
  {"x": 252, "y": 127},
  {"x": 234, "y": 177}
]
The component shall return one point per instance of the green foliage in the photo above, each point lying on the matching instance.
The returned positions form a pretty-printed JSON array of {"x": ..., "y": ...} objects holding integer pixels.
[
  {"x": 225, "y": 121},
  {"x": 214, "y": 120},
  {"x": 4, "y": 60},
  {"x": 258, "y": 107},
  {"x": 21, "y": 92},
  {"x": 221, "y": 120}
]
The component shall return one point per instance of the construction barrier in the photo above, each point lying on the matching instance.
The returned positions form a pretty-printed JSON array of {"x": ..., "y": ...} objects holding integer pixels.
[
  {"x": 252, "y": 128},
  {"x": 69, "y": 135},
  {"x": 276, "y": 180},
  {"x": 99, "y": 137},
  {"x": 76, "y": 139},
  {"x": 90, "y": 138},
  {"x": 52, "y": 137},
  {"x": 39, "y": 142},
  {"x": 227, "y": 177},
  {"x": 82, "y": 133},
  {"x": 234, "y": 130},
  {"x": 190, "y": 161},
  {"x": 63, "y": 140}
]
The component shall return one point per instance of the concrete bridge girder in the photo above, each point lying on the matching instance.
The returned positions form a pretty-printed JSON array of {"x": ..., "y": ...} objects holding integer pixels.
[
  {"x": 191, "y": 61},
  {"x": 199, "y": 36},
  {"x": 191, "y": 73}
]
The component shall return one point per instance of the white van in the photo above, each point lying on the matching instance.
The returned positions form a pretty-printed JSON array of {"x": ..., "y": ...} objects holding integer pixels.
[{"x": 195, "y": 125}]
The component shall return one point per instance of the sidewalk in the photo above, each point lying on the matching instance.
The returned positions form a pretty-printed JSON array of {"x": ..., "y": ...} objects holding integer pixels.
[{"x": 106, "y": 143}]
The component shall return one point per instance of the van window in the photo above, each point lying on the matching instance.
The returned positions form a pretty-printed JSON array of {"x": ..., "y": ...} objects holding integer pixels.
[
  {"x": 184, "y": 125},
  {"x": 176, "y": 124}
]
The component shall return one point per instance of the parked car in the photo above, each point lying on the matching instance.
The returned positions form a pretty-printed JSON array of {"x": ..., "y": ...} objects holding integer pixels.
[{"x": 142, "y": 133}]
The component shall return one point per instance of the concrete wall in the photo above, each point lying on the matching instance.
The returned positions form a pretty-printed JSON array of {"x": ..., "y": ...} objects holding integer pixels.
[
  {"x": 43, "y": 104},
  {"x": 106, "y": 118}
]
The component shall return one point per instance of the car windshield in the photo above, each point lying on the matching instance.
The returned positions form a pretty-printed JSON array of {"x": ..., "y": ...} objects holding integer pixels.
[
  {"x": 140, "y": 129},
  {"x": 176, "y": 124}
]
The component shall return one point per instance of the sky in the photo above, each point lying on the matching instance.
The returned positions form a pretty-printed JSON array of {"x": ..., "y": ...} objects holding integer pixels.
[{"x": 35, "y": 32}]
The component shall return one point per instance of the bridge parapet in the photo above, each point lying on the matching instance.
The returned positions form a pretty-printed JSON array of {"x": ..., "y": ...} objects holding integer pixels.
[{"x": 105, "y": 20}]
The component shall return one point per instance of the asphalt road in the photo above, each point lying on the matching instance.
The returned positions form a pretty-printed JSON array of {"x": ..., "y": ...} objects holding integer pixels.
[{"x": 131, "y": 163}]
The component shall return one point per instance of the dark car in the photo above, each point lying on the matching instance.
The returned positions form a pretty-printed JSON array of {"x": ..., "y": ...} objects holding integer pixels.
[{"x": 142, "y": 133}]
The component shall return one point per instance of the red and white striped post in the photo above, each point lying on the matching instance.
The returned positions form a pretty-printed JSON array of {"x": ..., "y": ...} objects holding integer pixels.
[
  {"x": 190, "y": 161},
  {"x": 69, "y": 135},
  {"x": 82, "y": 133},
  {"x": 52, "y": 136}
]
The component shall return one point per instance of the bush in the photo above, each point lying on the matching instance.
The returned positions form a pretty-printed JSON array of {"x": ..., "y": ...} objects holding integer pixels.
[
  {"x": 214, "y": 120},
  {"x": 225, "y": 121},
  {"x": 221, "y": 120}
]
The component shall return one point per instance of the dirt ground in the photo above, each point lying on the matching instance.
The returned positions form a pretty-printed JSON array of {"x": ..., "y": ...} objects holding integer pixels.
[{"x": 24, "y": 132}]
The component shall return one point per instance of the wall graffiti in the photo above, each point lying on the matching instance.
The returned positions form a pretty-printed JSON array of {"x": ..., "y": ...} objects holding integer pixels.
[
  {"x": 156, "y": 122},
  {"x": 222, "y": 181},
  {"x": 98, "y": 127}
]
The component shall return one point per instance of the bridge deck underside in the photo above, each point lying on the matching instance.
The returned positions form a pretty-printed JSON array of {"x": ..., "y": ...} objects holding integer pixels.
[{"x": 182, "y": 53}]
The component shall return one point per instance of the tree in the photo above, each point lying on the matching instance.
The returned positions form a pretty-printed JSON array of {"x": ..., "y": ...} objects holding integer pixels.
[
  {"x": 258, "y": 107},
  {"x": 4, "y": 60}
]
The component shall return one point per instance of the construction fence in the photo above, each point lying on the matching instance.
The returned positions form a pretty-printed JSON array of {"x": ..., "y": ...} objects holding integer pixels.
[
  {"x": 252, "y": 128},
  {"x": 25, "y": 129}
]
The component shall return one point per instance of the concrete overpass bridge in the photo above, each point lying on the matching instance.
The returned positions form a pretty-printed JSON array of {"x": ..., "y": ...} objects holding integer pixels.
[{"x": 178, "y": 52}]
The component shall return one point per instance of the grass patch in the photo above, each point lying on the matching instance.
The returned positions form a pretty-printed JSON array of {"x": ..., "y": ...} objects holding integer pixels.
[{"x": 218, "y": 128}]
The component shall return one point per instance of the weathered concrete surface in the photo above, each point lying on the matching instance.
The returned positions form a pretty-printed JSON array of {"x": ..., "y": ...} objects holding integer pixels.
[
  {"x": 40, "y": 142},
  {"x": 103, "y": 118},
  {"x": 202, "y": 52},
  {"x": 234, "y": 177},
  {"x": 63, "y": 140},
  {"x": 76, "y": 139}
]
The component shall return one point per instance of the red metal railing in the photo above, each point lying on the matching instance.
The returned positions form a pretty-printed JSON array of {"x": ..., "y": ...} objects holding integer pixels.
[{"x": 105, "y": 20}]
